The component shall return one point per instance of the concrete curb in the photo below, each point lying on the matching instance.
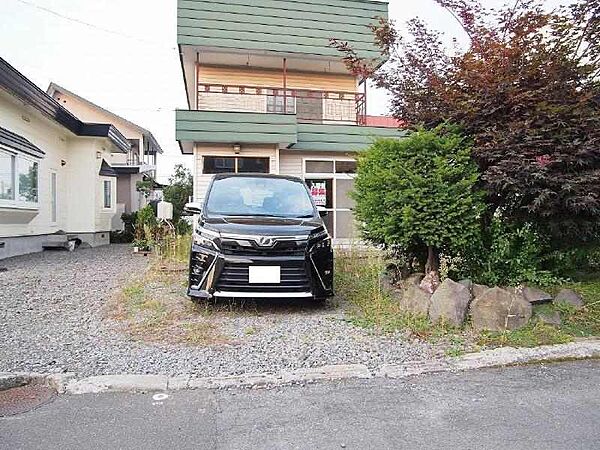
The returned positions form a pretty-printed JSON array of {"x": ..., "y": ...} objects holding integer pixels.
[{"x": 67, "y": 383}]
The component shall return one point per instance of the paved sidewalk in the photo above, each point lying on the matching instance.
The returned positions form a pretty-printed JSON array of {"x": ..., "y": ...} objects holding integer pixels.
[{"x": 554, "y": 406}]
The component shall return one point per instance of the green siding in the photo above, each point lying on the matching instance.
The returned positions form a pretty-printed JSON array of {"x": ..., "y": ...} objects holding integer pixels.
[
  {"x": 257, "y": 128},
  {"x": 343, "y": 138},
  {"x": 235, "y": 127},
  {"x": 296, "y": 26}
]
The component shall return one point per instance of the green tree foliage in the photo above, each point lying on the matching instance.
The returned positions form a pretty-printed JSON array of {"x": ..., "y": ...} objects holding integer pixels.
[
  {"x": 179, "y": 190},
  {"x": 513, "y": 254},
  {"x": 420, "y": 194},
  {"x": 525, "y": 89}
]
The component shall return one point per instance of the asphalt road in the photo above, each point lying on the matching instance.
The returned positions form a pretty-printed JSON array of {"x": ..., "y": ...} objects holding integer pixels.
[{"x": 535, "y": 407}]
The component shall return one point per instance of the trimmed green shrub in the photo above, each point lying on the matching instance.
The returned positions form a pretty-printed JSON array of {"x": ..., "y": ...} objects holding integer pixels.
[{"x": 419, "y": 194}]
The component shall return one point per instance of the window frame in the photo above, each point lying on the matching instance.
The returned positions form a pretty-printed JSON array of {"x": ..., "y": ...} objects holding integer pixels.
[
  {"x": 53, "y": 197},
  {"x": 15, "y": 202},
  {"x": 110, "y": 196},
  {"x": 236, "y": 159},
  {"x": 334, "y": 176},
  {"x": 13, "y": 173},
  {"x": 287, "y": 103}
]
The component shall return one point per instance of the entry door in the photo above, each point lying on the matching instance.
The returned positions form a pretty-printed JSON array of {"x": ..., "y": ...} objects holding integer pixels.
[{"x": 337, "y": 178}]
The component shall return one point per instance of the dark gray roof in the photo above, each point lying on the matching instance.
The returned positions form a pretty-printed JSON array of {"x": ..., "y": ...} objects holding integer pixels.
[
  {"x": 24, "y": 89},
  {"x": 19, "y": 143},
  {"x": 106, "y": 170}
]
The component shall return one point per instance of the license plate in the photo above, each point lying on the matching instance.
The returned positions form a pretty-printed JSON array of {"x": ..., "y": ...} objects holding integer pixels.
[{"x": 264, "y": 274}]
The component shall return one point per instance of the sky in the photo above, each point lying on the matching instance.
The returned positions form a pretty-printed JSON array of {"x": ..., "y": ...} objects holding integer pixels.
[{"x": 122, "y": 55}]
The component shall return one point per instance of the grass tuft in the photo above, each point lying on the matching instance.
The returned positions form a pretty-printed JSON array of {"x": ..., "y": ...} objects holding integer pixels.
[
  {"x": 154, "y": 308},
  {"x": 358, "y": 274}
]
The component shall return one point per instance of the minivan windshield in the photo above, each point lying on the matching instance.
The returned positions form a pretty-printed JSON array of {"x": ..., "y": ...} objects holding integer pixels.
[{"x": 259, "y": 196}]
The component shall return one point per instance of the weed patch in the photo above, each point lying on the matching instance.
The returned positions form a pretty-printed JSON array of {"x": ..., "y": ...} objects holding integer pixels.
[
  {"x": 154, "y": 308},
  {"x": 358, "y": 287}
]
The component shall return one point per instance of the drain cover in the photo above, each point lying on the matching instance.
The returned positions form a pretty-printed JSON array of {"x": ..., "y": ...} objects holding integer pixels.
[{"x": 25, "y": 398}]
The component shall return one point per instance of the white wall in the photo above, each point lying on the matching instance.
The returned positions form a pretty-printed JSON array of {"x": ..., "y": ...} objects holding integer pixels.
[
  {"x": 291, "y": 161},
  {"x": 27, "y": 123},
  {"x": 79, "y": 195},
  {"x": 201, "y": 180}
]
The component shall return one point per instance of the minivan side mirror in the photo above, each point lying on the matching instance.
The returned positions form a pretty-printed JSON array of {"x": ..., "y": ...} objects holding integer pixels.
[
  {"x": 192, "y": 208},
  {"x": 322, "y": 211}
]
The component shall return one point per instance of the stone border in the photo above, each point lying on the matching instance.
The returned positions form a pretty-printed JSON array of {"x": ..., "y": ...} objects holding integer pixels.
[{"x": 500, "y": 357}]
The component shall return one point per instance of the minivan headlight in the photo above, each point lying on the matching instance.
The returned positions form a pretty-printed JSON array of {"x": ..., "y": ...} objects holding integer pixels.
[
  {"x": 206, "y": 238},
  {"x": 320, "y": 239},
  {"x": 322, "y": 234}
]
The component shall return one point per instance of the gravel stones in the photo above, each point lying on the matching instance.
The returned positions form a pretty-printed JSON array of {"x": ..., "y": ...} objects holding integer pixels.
[{"x": 52, "y": 320}]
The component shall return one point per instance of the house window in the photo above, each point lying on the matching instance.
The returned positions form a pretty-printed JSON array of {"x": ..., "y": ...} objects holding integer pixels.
[
  {"x": 18, "y": 180},
  {"x": 53, "y": 197},
  {"x": 107, "y": 194},
  {"x": 253, "y": 165},
  {"x": 345, "y": 167},
  {"x": 218, "y": 164},
  {"x": 27, "y": 173},
  {"x": 319, "y": 166},
  {"x": 7, "y": 176},
  {"x": 214, "y": 164},
  {"x": 275, "y": 105}
]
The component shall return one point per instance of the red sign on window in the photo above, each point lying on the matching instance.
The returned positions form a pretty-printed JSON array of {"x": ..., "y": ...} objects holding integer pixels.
[{"x": 318, "y": 191}]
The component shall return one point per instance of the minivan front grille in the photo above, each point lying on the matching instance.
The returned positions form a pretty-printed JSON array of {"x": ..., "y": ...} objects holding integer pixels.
[
  {"x": 235, "y": 277},
  {"x": 281, "y": 248}
]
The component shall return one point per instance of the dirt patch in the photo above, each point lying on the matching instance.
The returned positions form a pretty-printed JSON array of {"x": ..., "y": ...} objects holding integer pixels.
[{"x": 153, "y": 308}]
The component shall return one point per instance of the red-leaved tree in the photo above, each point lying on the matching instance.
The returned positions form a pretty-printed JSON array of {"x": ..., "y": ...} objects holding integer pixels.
[{"x": 526, "y": 90}]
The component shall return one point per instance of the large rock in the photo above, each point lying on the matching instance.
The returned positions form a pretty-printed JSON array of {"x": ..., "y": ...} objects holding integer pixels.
[
  {"x": 549, "y": 318},
  {"x": 468, "y": 283},
  {"x": 477, "y": 290},
  {"x": 450, "y": 303},
  {"x": 535, "y": 295},
  {"x": 571, "y": 297},
  {"x": 499, "y": 310},
  {"x": 415, "y": 300}
]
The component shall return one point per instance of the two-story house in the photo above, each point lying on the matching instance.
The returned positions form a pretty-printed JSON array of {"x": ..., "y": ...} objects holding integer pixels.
[
  {"x": 137, "y": 165},
  {"x": 266, "y": 93}
]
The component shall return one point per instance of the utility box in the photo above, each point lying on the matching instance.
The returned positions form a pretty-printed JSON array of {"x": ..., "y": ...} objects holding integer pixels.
[{"x": 164, "y": 211}]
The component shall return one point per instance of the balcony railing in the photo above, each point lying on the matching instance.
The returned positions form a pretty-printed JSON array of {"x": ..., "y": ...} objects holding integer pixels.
[{"x": 309, "y": 106}]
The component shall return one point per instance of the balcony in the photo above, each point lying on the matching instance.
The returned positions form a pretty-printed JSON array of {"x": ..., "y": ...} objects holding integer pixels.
[{"x": 309, "y": 106}]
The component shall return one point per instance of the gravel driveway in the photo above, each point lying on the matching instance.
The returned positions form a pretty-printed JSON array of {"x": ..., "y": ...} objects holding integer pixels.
[{"x": 51, "y": 320}]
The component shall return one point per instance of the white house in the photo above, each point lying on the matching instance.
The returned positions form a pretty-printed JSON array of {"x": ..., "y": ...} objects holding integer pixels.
[
  {"x": 56, "y": 180},
  {"x": 138, "y": 164}
]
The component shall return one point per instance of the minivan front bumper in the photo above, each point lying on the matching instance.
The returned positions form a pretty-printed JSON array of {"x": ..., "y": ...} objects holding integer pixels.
[{"x": 306, "y": 275}]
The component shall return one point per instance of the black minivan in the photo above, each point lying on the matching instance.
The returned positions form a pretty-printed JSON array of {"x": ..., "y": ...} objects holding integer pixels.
[{"x": 259, "y": 236}]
